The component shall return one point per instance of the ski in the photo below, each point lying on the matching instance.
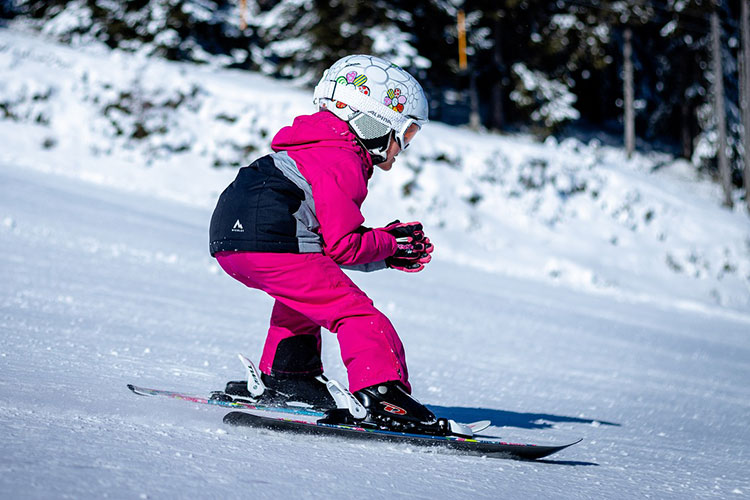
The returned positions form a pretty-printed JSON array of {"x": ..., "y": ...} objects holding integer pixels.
[
  {"x": 477, "y": 445},
  {"x": 220, "y": 399},
  {"x": 305, "y": 420}
]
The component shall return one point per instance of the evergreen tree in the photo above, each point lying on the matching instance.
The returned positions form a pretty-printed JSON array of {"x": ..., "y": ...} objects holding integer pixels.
[
  {"x": 529, "y": 59},
  {"x": 303, "y": 37},
  {"x": 191, "y": 30}
]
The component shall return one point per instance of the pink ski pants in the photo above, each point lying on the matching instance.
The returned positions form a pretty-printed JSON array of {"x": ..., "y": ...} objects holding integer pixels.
[{"x": 311, "y": 291}]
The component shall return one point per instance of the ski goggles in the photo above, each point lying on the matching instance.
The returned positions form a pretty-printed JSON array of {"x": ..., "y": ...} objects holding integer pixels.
[{"x": 404, "y": 138}]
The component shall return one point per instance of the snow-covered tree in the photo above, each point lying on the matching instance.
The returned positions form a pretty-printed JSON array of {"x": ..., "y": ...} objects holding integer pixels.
[
  {"x": 196, "y": 30},
  {"x": 551, "y": 103},
  {"x": 303, "y": 37}
]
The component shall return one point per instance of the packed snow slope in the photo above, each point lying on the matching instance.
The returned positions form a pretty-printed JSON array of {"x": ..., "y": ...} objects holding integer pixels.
[
  {"x": 542, "y": 325},
  {"x": 99, "y": 288}
]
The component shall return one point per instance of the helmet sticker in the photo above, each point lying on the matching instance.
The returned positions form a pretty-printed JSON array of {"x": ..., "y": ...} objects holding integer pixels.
[
  {"x": 395, "y": 100},
  {"x": 358, "y": 81}
]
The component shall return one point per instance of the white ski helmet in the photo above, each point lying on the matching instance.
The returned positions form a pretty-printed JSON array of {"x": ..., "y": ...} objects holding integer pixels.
[{"x": 375, "y": 97}]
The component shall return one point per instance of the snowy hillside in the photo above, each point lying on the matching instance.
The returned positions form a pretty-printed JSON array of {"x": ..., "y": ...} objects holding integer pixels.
[
  {"x": 572, "y": 294},
  {"x": 571, "y": 214}
]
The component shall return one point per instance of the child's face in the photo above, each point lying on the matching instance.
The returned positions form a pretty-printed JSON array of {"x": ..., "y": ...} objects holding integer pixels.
[{"x": 394, "y": 149}]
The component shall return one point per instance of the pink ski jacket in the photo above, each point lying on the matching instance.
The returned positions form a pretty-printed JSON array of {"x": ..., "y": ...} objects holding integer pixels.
[{"x": 304, "y": 198}]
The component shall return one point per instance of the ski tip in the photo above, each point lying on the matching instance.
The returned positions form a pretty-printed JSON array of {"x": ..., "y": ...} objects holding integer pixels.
[
  {"x": 136, "y": 390},
  {"x": 536, "y": 452},
  {"x": 563, "y": 446}
]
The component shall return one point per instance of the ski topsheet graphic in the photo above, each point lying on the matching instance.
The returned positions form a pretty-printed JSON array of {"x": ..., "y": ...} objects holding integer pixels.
[{"x": 216, "y": 400}]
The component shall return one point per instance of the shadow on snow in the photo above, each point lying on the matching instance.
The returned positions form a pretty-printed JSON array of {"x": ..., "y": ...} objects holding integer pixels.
[{"x": 502, "y": 418}]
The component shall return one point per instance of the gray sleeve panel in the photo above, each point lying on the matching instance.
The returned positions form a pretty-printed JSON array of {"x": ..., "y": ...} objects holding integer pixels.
[
  {"x": 367, "y": 268},
  {"x": 307, "y": 220}
]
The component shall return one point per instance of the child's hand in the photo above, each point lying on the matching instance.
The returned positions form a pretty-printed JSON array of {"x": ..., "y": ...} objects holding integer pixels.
[{"x": 414, "y": 248}]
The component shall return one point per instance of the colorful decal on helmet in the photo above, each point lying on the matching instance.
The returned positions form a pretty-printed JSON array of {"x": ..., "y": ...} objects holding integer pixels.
[
  {"x": 395, "y": 100},
  {"x": 352, "y": 78},
  {"x": 355, "y": 80}
]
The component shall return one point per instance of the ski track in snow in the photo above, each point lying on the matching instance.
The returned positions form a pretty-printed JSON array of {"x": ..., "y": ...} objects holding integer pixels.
[{"x": 101, "y": 287}]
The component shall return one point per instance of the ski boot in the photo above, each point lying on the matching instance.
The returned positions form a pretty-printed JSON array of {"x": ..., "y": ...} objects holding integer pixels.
[
  {"x": 279, "y": 390},
  {"x": 389, "y": 403},
  {"x": 310, "y": 391},
  {"x": 389, "y": 406}
]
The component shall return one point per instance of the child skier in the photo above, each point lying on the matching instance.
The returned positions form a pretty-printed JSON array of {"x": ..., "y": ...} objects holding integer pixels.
[{"x": 291, "y": 220}]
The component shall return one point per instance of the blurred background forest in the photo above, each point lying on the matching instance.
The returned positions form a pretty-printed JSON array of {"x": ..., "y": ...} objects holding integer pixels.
[{"x": 638, "y": 73}]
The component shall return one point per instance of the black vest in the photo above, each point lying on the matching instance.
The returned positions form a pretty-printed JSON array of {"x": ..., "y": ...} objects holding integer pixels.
[{"x": 255, "y": 213}]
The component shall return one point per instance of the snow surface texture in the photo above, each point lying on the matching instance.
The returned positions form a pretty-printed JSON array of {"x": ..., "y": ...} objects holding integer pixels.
[{"x": 572, "y": 294}]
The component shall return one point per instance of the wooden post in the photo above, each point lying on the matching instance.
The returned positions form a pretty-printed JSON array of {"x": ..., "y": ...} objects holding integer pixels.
[
  {"x": 243, "y": 7},
  {"x": 725, "y": 173},
  {"x": 628, "y": 91},
  {"x": 461, "y": 22}
]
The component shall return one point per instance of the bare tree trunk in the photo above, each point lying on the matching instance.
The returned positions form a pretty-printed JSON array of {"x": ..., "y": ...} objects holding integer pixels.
[
  {"x": 498, "y": 113},
  {"x": 745, "y": 96},
  {"x": 474, "y": 119},
  {"x": 628, "y": 92},
  {"x": 686, "y": 116},
  {"x": 686, "y": 135},
  {"x": 719, "y": 111},
  {"x": 498, "y": 120}
]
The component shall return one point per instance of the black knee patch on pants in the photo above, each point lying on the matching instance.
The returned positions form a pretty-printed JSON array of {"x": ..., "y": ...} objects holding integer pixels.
[{"x": 297, "y": 355}]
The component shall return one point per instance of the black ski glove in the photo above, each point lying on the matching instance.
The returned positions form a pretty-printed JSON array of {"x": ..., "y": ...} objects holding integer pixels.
[{"x": 414, "y": 248}]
